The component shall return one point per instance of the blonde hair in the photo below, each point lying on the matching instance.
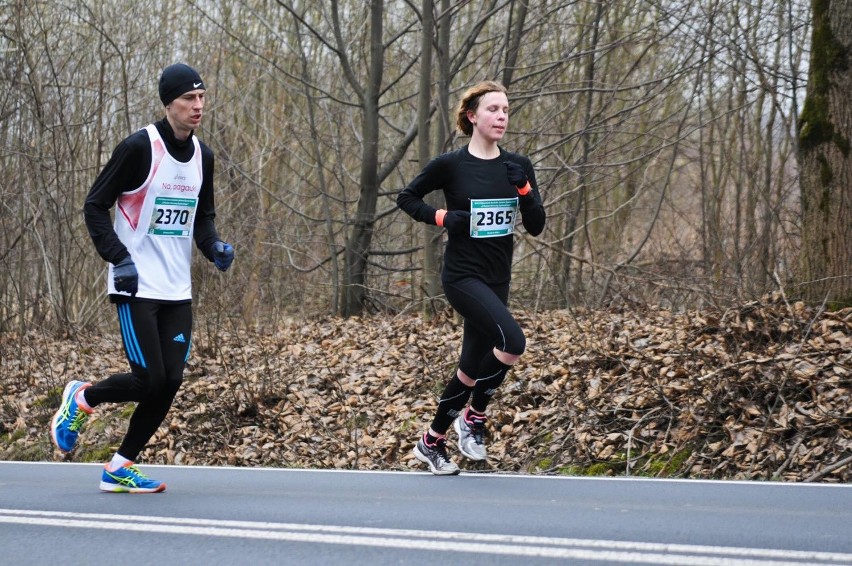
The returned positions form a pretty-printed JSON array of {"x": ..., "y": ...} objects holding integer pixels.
[{"x": 470, "y": 102}]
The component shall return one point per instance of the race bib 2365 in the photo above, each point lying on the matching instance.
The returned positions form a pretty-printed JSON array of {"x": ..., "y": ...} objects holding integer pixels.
[{"x": 490, "y": 218}]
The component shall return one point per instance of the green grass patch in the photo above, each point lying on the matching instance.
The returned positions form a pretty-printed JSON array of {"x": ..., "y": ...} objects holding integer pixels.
[
  {"x": 102, "y": 454},
  {"x": 665, "y": 465},
  {"x": 407, "y": 424},
  {"x": 14, "y": 435},
  {"x": 660, "y": 465}
]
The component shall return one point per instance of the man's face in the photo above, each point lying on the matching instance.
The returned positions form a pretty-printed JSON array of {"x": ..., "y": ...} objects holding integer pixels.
[{"x": 185, "y": 111}]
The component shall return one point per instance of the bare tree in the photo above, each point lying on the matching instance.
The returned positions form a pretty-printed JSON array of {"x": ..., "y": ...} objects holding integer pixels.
[
  {"x": 824, "y": 145},
  {"x": 431, "y": 234},
  {"x": 663, "y": 135},
  {"x": 70, "y": 92}
]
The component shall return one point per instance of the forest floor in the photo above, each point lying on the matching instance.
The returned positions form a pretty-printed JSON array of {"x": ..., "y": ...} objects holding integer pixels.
[{"x": 760, "y": 391}]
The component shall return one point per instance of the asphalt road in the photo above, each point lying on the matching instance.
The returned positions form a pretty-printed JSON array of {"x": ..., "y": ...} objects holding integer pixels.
[{"x": 53, "y": 513}]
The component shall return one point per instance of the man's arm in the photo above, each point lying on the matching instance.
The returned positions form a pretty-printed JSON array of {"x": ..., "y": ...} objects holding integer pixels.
[
  {"x": 126, "y": 170},
  {"x": 204, "y": 229}
]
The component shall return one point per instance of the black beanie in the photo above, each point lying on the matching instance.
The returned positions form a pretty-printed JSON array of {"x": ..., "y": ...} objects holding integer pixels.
[{"x": 178, "y": 79}]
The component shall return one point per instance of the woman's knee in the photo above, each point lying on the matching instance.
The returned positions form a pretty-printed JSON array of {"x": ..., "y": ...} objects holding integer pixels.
[
  {"x": 514, "y": 342},
  {"x": 465, "y": 378},
  {"x": 505, "y": 357}
]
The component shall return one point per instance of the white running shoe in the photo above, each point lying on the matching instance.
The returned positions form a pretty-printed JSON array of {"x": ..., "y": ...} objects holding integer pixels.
[
  {"x": 471, "y": 431},
  {"x": 436, "y": 456}
]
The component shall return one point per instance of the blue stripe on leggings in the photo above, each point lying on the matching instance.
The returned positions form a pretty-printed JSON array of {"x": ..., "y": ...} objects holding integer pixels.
[
  {"x": 124, "y": 322},
  {"x": 188, "y": 347},
  {"x": 134, "y": 352}
]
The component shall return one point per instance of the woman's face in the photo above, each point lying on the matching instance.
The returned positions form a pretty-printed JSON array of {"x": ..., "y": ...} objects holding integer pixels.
[{"x": 491, "y": 117}]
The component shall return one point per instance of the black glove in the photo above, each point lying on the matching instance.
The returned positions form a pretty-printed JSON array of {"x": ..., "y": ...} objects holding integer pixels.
[
  {"x": 223, "y": 255},
  {"x": 125, "y": 278},
  {"x": 457, "y": 222},
  {"x": 515, "y": 174}
]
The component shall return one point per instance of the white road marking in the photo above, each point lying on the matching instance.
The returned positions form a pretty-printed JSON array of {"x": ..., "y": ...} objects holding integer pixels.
[
  {"x": 494, "y": 544},
  {"x": 478, "y": 475}
]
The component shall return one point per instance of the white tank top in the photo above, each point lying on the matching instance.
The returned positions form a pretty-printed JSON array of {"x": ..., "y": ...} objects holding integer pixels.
[{"x": 155, "y": 223}]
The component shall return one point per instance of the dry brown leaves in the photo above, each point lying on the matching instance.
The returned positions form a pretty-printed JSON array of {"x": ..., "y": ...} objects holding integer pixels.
[{"x": 757, "y": 392}]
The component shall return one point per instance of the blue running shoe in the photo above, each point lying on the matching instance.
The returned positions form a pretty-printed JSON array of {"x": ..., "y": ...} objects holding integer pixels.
[
  {"x": 128, "y": 479},
  {"x": 70, "y": 418}
]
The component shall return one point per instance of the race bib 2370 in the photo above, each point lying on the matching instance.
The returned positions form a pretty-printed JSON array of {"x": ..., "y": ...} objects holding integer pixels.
[{"x": 172, "y": 216}]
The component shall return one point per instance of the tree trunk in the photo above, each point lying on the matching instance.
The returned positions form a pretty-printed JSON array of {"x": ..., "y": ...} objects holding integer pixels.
[
  {"x": 357, "y": 248},
  {"x": 576, "y": 206},
  {"x": 431, "y": 235},
  {"x": 514, "y": 35},
  {"x": 825, "y": 135}
]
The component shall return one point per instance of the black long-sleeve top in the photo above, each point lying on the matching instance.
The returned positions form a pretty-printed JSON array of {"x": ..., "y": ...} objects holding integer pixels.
[
  {"x": 126, "y": 170},
  {"x": 462, "y": 177}
]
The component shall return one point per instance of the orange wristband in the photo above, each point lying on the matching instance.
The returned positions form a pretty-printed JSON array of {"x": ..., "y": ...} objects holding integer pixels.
[
  {"x": 439, "y": 216},
  {"x": 524, "y": 191}
]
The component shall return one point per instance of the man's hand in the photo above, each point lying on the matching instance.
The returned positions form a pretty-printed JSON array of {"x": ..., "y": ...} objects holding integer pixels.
[
  {"x": 125, "y": 278},
  {"x": 223, "y": 255}
]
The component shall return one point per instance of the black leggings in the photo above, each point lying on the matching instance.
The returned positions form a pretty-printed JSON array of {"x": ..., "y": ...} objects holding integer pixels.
[
  {"x": 487, "y": 325},
  {"x": 487, "y": 321},
  {"x": 156, "y": 339}
]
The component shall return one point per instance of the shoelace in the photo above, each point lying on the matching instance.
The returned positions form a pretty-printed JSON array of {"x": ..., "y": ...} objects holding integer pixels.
[
  {"x": 135, "y": 471},
  {"x": 135, "y": 478},
  {"x": 441, "y": 449},
  {"x": 477, "y": 429},
  {"x": 79, "y": 420}
]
